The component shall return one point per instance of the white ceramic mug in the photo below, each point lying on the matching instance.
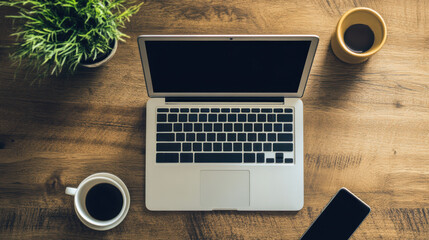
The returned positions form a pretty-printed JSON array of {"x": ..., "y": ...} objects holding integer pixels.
[{"x": 81, "y": 191}]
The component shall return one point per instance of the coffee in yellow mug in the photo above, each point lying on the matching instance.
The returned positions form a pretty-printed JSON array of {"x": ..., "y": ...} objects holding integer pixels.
[{"x": 360, "y": 33}]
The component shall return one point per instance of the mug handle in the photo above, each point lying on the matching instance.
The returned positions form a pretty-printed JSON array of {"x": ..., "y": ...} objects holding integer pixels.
[{"x": 71, "y": 191}]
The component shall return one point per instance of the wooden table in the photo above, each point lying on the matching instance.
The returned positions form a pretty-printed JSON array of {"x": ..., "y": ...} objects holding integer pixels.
[{"x": 366, "y": 128}]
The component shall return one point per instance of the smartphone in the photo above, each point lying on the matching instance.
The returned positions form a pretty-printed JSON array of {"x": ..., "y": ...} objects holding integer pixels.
[{"x": 340, "y": 218}]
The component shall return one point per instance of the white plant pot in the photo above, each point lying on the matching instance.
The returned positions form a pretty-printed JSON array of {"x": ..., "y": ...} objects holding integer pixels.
[{"x": 104, "y": 60}]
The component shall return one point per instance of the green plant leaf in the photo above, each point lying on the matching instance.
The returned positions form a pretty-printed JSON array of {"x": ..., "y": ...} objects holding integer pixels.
[{"x": 55, "y": 36}]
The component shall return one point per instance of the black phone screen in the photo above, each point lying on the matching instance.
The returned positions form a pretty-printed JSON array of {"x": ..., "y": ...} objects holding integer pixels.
[{"x": 340, "y": 218}]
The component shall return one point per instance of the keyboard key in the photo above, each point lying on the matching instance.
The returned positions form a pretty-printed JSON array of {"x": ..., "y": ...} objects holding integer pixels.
[
  {"x": 256, "y": 110},
  {"x": 266, "y": 110},
  {"x": 267, "y": 147},
  {"x": 217, "y": 147},
  {"x": 271, "y": 137},
  {"x": 251, "y": 137},
  {"x": 270, "y": 160},
  {"x": 260, "y": 157},
  {"x": 257, "y": 147},
  {"x": 164, "y": 127},
  {"x": 285, "y": 147},
  {"x": 227, "y": 127},
  {"x": 262, "y": 137},
  {"x": 190, "y": 137},
  {"x": 277, "y": 127},
  {"x": 242, "y": 137},
  {"x": 174, "y": 110},
  {"x": 177, "y": 127},
  {"x": 180, "y": 137},
  {"x": 221, "y": 137},
  {"x": 165, "y": 137},
  {"x": 168, "y": 147},
  {"x": 172, "y": 117},
  {"x": 186, "y": 147},
  {"x": 288, "y": 160},
  {"x": 279, "y": 157},
  {"x": 247, "y": 147},
  {"x": 167, "y": 157},
  {"x": 208, "y": 127},
  {"x": 238, "y": 127},
  {"x": 217, "y": 127},
  {"x": 225, "y": 110},
  {"x": 211, "y": 137},
  {"x": 198, "y": 127},
  {"x": 278, "y": 110},
  {"x": 257, "y": 127},
  {"x": 202, "y": 117},
  {"x": 201, "y": 137},
  {"x": 207, "y": 147},
  {"x": 195, "y": 110},
  {"x": 161, "y": 117},
  {"x": 232, "y": 117},
  {"x": 212, "y": 117},
  {"x": 271, "y": 117},
  {"x": 248, "y": 127},
  {"x": 238, "y": 147},
  {"x": 186, "y": 157},
  {"x": 284, "y": 118},
  {"x": 184, "y": 110},
  {"x": 222, "y": 117},
  {"x": 193, "y": 117},
  {"x": 205, "y": 110},
  {"x": 268, "y": 127},
  {"x": 218, "y": 157},
  {"x": 162, "y": 110},
  {"x": 287, "y": 127},
  {"x": 262, "y": 117},
  {"x": 215, "y": 110},
  {"x": 251, "y": 117},
  {"x": 235, "y": 110},
  {"x": 245, "y": 110},
  {"x": 284, "y": 137},
  {"x": 232, "y": 137},
  {"x": 187, "y": 127},
  {"x": 288, "y": 110},
  {"x": 227, "y": 147},
  {"x": 249, "y": 157},
  {"x": 183, "y": 117},
  {"x": 242, "y": 117},
  {"x": 197, "y": 147}
]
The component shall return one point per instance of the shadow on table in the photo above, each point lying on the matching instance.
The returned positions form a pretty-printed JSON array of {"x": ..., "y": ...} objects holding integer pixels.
[
  {"x": 46, "y": 98},
  {"x": 337, "y": 80}
]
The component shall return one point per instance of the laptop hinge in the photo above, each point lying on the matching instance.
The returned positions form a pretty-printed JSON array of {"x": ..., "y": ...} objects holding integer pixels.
[{"x": 224, "y": 99}]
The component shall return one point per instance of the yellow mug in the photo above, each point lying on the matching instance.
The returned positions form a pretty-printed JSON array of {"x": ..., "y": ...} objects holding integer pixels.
[{"x": 360, "y": 15}]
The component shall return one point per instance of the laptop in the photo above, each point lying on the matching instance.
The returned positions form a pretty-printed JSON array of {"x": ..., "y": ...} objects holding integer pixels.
[{"x": 224, "y": 126}]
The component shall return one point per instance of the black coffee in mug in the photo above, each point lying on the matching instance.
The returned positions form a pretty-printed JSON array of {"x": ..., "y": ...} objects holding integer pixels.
[
  {"x": 104, "y": 201},
  {"x": 359, "y": 38}
]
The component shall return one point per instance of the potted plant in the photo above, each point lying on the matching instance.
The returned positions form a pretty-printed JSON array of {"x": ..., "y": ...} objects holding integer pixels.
[{"x": 55, "y": 37}]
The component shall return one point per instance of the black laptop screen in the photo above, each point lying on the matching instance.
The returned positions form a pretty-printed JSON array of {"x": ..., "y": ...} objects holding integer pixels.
[{"x": 226, "y": 66}]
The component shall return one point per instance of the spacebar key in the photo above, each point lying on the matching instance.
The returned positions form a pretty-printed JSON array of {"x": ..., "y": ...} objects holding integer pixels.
[{"x": 218, "y": 157}]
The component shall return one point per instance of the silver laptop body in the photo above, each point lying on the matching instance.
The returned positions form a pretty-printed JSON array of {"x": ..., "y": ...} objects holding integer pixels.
[{"x": 224, "y": 126}]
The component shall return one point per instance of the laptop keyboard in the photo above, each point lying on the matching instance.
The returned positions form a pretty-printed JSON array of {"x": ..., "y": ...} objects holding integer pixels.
[{"x": 224, "y": 135}]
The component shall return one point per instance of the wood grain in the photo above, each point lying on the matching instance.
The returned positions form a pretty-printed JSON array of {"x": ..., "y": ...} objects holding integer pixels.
[{"x": 366, "y": 127}]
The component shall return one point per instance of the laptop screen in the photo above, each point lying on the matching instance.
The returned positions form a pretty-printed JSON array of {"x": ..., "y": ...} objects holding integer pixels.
[{"x": 226, "y": 66}]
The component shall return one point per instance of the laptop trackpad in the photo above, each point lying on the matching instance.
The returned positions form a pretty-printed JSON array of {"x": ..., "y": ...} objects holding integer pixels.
[{"x": 225, "y": 189}]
